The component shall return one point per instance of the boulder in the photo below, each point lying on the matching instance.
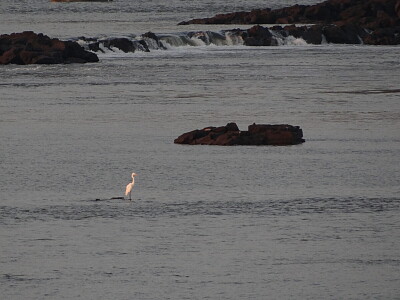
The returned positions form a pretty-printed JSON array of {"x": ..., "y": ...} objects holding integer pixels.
[
  {"x": 312, "y": 35},
  {"x": 150, "y": 38},
  {"x": 257, "y": 134},
  {"x": 123, "y": 44},
  {"x": 31, "y": 48},
  {"x": 384, "y": 36},
  {"x": 259, "y": 36},
  {"x": 345, "y": 34}
]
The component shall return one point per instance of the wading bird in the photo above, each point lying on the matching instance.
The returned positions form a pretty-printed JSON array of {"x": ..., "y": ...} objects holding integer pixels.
[{"x": 130, "y": 186}]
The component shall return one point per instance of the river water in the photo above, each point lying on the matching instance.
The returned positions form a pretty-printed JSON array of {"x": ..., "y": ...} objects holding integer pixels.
[{"x": 311, "y": 221}]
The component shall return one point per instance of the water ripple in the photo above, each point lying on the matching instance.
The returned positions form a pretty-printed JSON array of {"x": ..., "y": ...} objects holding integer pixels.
[{"x": 149, "y": 209}]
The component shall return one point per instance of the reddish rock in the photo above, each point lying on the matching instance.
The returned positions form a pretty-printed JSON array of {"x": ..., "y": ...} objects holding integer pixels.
[
  {"x": 365, "y": 14},
  {"x": 259, "y": 36},
  {"x": 345, "y": 34},
  {"x": 360, "y": 12},
  {"x": 384, "y": 36},
  {"x": 397, "y": 8},
  {"x": 123, "y": 44},
  {"x": 31, "y": 48},
  {"x": 257, "y": 134}
]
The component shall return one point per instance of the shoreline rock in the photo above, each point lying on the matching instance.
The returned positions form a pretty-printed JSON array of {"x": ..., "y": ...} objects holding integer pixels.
[
  {"x": 126, "y": 45},
  {"x": 371, "y": 14},
  {"x": 373, "y": 22},
  {"x": 30, "y": 48},
  {"x": 256, "y": 135}
]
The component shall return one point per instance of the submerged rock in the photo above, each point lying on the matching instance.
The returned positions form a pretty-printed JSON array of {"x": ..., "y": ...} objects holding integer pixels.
[
  {"x": 31, "y": 48},
  {"x": 257, "y": 134},
  {"x": 123, "y": 44},
  {"x": 143, "y": 43}
]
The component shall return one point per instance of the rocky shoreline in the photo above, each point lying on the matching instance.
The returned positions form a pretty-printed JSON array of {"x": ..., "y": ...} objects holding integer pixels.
[
  {"x": 370, "y": 22},
  {"x": 374, "y": 22},
  {"x": 256, "y": 135},
  {"x": 30, "y": 48}
]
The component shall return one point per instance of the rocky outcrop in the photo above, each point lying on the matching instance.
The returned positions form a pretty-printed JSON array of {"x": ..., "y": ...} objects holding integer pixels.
[
  {"x": 374, "y": 21},
  {"x": 258, "y": 36},
  {"x": 31, "y": 48},
  {"x": 127, "y": 45},
  {"x": 344, "y": 34},
  {"x": 369, "y": 14},
  {"x": 262, "y": 36},
  {"x": 383, "y": 36},
  {"x": 257, "y": 134}
]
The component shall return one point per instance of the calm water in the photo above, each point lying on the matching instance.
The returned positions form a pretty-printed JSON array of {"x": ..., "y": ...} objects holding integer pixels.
[{"x": 312, "y": 221}]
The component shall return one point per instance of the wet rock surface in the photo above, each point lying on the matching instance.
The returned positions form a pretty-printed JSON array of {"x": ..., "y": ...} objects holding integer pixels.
[
  {"x": 375, "y": 22},
  {"x": 257, "y": 134},
  {"x": 30, "y": 48},
  {"x": 127, "y": 45}
]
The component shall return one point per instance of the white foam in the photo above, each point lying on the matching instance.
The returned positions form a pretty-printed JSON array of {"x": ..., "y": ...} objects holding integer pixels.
[{"x": 291, "y": 40}]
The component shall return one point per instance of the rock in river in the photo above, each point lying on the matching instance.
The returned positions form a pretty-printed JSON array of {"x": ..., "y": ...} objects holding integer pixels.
[
  {"x": 375, "y": 22},
  {"x": 257, "y": 134},
  {"x": 30, "y": 48}
]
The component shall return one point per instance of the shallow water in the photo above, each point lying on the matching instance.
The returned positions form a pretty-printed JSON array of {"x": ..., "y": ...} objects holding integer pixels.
[{"x": 317, "y": 220}]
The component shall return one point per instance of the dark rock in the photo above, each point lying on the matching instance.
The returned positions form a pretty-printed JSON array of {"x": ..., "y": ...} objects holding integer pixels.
[
  {"x": 230, "y": 135},
  {"x": 397, "y": 8},
  {"x": 384, "y": 36},
  {"x": 230, "y": 18},
  {"x": 350, "y": 16},
  {"x": 75, "y": 53},
  {"x": 123, "y": 44},
  {"x": 142, "y": 46},
  {"x": 11, "y": 56},
  {"x": 150, "y": 36},
  {"x": 31, "y": 48},
  {"x": 345, "y": 34},
  {"x": 324, "y": 12},
  {"x": 258, "y": 16},
  {"x": 95, "y": 47},
  {"x": 357, "y": 12},
  {"x": 259, "y": 36},
  {"x": 312, "y": 35}
]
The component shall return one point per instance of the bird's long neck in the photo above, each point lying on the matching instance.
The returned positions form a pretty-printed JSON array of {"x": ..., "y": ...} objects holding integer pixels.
[{"x": 133, "y": 179}]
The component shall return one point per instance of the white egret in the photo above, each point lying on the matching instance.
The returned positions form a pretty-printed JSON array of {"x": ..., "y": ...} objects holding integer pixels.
[{"x": 130, "y": 186}]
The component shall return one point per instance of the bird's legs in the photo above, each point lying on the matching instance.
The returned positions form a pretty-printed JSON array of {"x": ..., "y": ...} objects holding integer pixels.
[{"x": 130, "y": 196}]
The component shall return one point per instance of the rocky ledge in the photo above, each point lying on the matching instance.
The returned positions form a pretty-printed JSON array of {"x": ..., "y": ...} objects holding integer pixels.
[
  {"x": 375, "y": 22},
  {"x": 31, "y": 48},
  {"x": 257, "y": 134},
  {"x": 318, "y": 34},
  {"x": 143, "y": 43}
]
